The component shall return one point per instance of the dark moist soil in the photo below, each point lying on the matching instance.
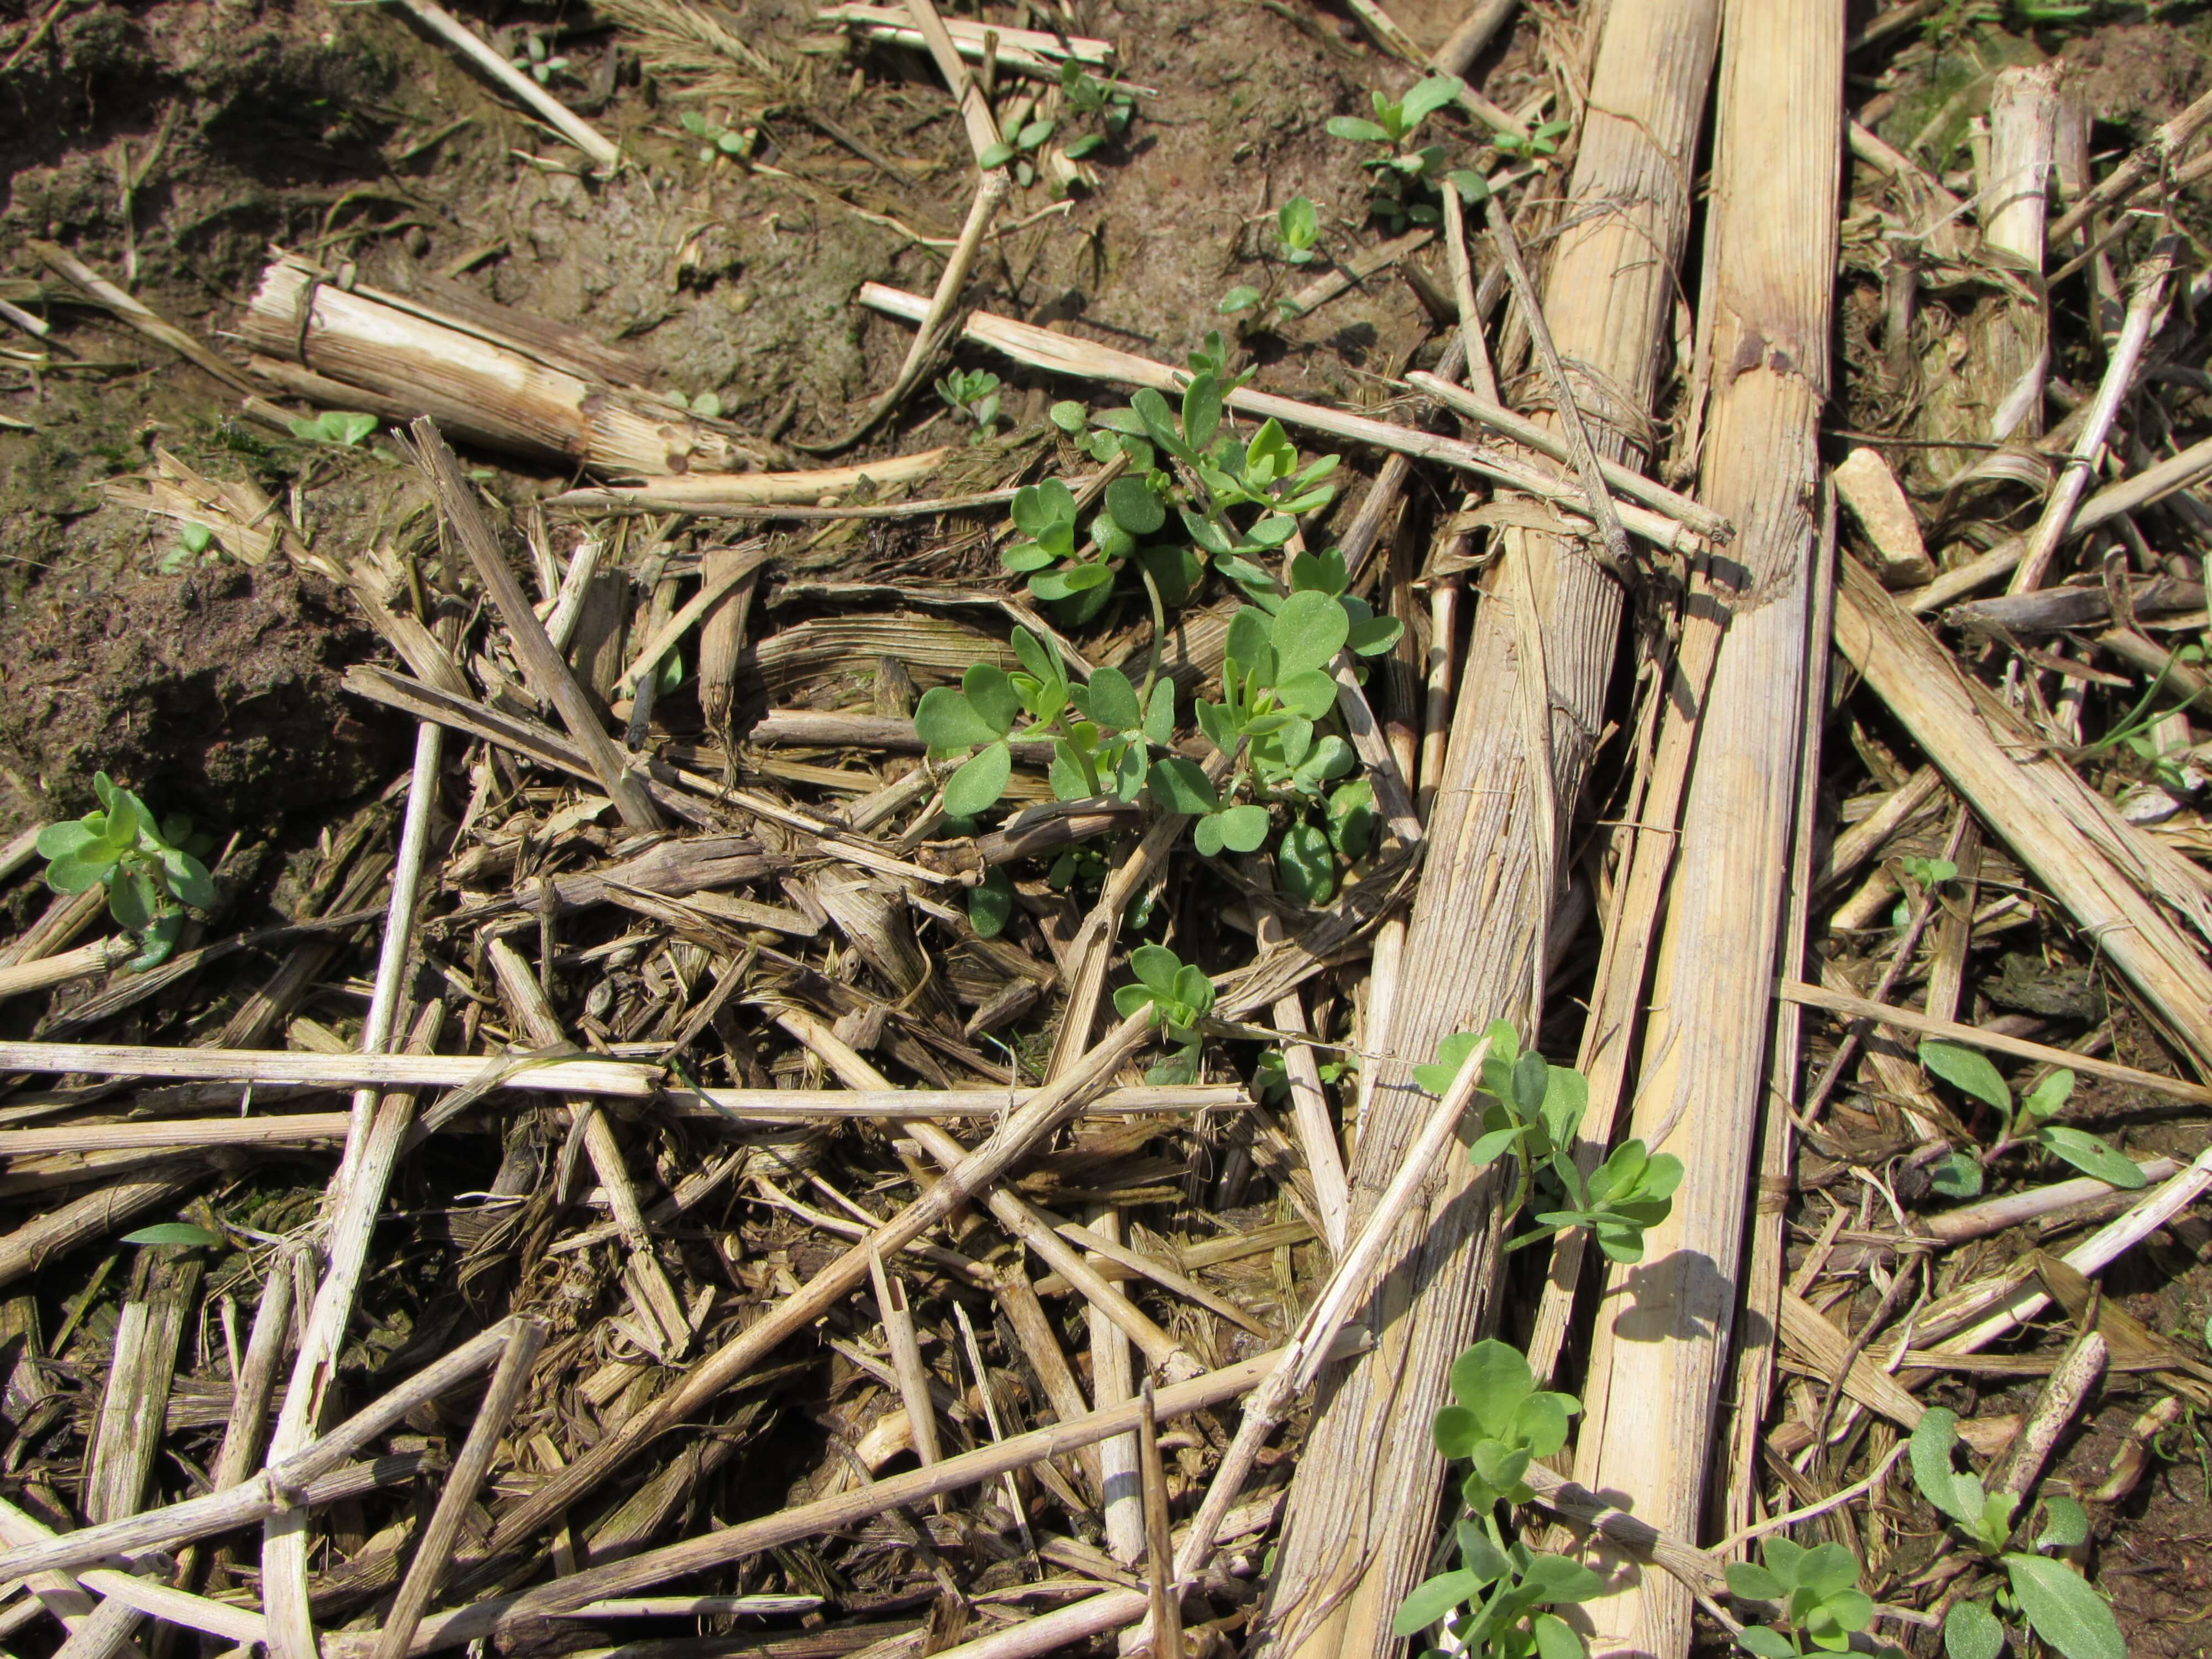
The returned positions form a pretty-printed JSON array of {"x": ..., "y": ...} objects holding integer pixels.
[{"x": 336, "y": 130}]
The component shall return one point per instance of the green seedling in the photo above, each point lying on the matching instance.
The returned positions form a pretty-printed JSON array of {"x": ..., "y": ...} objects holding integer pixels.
[
  {"x": 1086, "y": 96},
  {"x": 714, "y": 139},
  {"x": 2062, "y": 1608},
  {"x": 1101, "y": 732},
  {"x": 1179, "y": 995},
  {"x": 1399, "y": 172},
  {"x": 1541, "y": 141},
  {"x": 1298, "y": 228},
  {"x": 537, "y": 64},
  {"x": 151, "y": 870},
  {"x": 344, "y": 428},
  {"x": 1534, "y": 1110},
  {"x": 975, "y": 393},
  {"x": 193, "y": 541},
  {"x": 1019, "y": 151},
  {"x": 1499, "y": 1422},
  {"x": 1818, "y": 1592},
  {"x": 991, "y": 903},
  {"x": 707, "y": 405},
  {"x": 1969, "y": 1071},
  {"x": 1504, "y": 1590}
]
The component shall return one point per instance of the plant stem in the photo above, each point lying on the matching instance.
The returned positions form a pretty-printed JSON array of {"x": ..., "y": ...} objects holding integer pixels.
[{"x": 1159, "y": 639}]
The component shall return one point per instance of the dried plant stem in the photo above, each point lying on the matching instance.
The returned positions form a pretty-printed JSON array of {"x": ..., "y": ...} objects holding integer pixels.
[
  {"x": 1356, "y": 1531},
  {"x": 906, "y": 1362},
  {"x": 280, "y": 1066},
  {"x": 350, "y": 1209},
  {"x": 541, "y": 665},
  {"x": 540, "y": 102},
  {"x": 273, "y": 1489},
  {"x": 2050, "y": 529},
  {"x": 434, "y": 1551},
  {"x": 2064, "y": 1395},
  {"x": 1016, "y": 1134},
  {"x": 95, "y": 1215}
]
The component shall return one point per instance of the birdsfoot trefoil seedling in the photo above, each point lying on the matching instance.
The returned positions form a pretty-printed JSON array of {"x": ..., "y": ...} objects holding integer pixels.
[
  {"x": 149, "y": 874},
  {"x": 1179, "y": 995},
  {"x": 344, "y": 428},
  {"x": 1817, "y": 1591}
]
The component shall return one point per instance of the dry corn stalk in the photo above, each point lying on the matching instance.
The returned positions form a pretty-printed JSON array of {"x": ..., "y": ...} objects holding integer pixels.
[
  {"x": 1769, "y": 264},
  {"x": 492, "y": 376},
  {"x": 1357, "y": 1529}
]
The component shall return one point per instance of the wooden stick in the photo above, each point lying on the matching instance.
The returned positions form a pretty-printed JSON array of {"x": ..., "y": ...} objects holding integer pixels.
[
  {"x": 2145, "y": 162},
  {"x": 1046, "y": 1110},
  {"x": 541, "y": 665},
  {"x": 2119, "y": 375},
  {"x": 95, "y": 1215},
  {"x": 351, "y": 1207},
  {"x": 1015, "y": 1213},
  {"x": 2103, "y": 870},
  {"x": 267, "y": 1493},
  {"x": 540, "y": 102},
  {"x": 1310, "y": 1113},
  {"x": 251, "y": 1390},
  {"x": 1357, "y": 1529},
  {"x": 1621, "y": 480},
  {"x": 2064, "y": 1395},
  {"x": 659, "y": 1311},
  {"x": 1066, "y": 354},
  {"x": 127, "y": 1428},
  {"x": 1973, "y": 1036},
  {"x": 1650, "y": 1406},
  {"x": 906, "y": 1362},
  {"x": 1166, "y": 1600},
  {"x": 729, "y": 574},
  {"x": 434, "y": 1553},
  {"x": 564, "y": 1596},
  {"x": 83, "y": 963},
  {"x": 283, "y": 1066},
  {"x": 20, "y": 849}
]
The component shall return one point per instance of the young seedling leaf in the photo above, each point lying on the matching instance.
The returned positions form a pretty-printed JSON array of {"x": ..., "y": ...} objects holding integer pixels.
[
  {"x": 1308, "y": 632},
  {"x": 1970, "y": 1631},
  {"x": 1114, "y": 701},
  {"x": 1135, "y": 506},
  {"x": 991, "y": 694},
  {"x": 1182, "y": 786},
  {"x": 991, "y": 903},
  {"x": 172, "y": 1233},
  {"x": 1955, "y": 1175},
  {"x": 2090, "y": 1155},
  {"x": 945, "y": 720},
  {"x": 1305, "y": 865},
  {"x": 1968, "y": 1070},
  {"x": 2064, "y": 1610},
  {"x": 979, "y": 781}
]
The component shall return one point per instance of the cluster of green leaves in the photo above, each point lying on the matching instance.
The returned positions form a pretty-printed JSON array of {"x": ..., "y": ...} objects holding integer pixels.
[
  {"x": 1028, "y": 139},
  {"x": 1535, "y": 1110},
  {"x": 1297, "y": 231},
  {"x": 1499, "y": 1422},
  {"x": 151, "y": 868},
  {"x": 346, "y": 428},
  {"x": 1219, "y": 477},
  {"x": 1086, "y": 96},
  {"x": 707, "y": 405},
  {"x": 194, "y": 542},
  {"x": 1969, "y": 1071},
  {"x": 973, "y": 392},
  {"x": 537, "y": 63},
  {"x": 1101, "y": 732},
  {"x": 1817, "y": 1591},
  {"x": 1542, "y": 140},
  {"x": 1179, "y": 995},
  {"x": 2064, "y": 1610},
  {"x": 1402, "y": 173},
  {"x": 715, "y": 139}
]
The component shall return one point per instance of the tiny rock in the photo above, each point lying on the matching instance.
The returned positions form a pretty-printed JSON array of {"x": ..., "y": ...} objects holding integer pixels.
[{"x": 1870, "y": 490}]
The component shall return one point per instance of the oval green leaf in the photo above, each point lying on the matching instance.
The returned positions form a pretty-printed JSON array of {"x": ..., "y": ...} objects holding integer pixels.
[{"x": 979, "y": 781}]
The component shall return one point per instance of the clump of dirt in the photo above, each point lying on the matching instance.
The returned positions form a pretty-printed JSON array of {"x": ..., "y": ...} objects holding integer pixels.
[
  {"x": 216, "y": 692},
  {"x": 2135, "y": 75}
]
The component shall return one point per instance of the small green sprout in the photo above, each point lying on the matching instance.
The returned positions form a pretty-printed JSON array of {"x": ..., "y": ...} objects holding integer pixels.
[
  {"x": 715, "y": 139},
  {"x": 1818, "y": 1592},
  {"x": 1969, "y": 1071},
  {"x": 1179, "y": 995},
  {"x": 1086, "y": 96},
  {"x": 1543, "y": 141},
  {"x": 973, "y": 392},
  {"x": 1241, "y": 298},
  {"x": 707, "y": 405},
  {"x": 149, "y": 874},
  {"x": 2064, "y": 1610},
  {"x": 1298, "y": 227},
  {"x": 536, "y": 63},
  {"x": 1402, "y": 174},
  {"x": 193, "y": 541},
  {"x": 344, "y": 428}
]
